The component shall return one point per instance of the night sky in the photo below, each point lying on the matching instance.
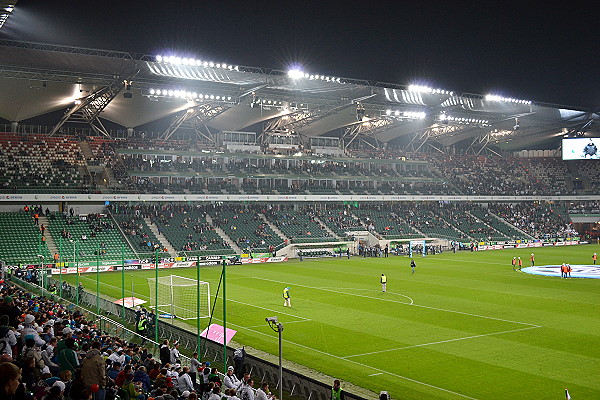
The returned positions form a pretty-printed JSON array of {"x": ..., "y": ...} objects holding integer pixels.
[{"x": 547, "y": 52}]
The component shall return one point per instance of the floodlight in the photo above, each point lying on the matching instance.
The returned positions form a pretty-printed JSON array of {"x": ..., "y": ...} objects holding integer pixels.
[
  {"x": 295, "y": 74},
  {"x": 159, "y": 58}
]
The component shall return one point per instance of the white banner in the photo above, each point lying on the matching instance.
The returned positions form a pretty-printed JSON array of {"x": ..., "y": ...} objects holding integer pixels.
[{"x": 36, "y": 198}]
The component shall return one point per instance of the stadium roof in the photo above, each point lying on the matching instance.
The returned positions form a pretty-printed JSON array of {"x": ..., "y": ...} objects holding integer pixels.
[
  {"x": 6, "y": 9},
  {"x": 138, "y": 90}
]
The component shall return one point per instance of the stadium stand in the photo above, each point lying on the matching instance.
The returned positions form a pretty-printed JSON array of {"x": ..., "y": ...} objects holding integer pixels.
[
  {"x": 187, "y": 229},
  {"x": 141, "y": 236},
  {"x": 507, "y": 231},
  {"x": 21, "y": 239},
  {"x": 299, "y": 226},
  {"x": 47, "y": 164},
  {"x": 340, "y": 220},
  {"x": 41, "y": 164},
  {"x": 92, "y": 235},
  {"x": 429, "y": 218},
  {"x": 540, "y": 220},
  {"x": 385, "y": 221},
  {"x": 246, "y": 227},
  {"x": 481, "y": 175}
]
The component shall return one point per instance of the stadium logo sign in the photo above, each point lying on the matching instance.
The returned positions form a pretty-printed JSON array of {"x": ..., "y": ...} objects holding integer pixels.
[{"x": 577, "y": 271}]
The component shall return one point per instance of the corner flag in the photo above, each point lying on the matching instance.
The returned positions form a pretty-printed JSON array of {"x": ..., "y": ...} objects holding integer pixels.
[{"x": 567, "y": 395}]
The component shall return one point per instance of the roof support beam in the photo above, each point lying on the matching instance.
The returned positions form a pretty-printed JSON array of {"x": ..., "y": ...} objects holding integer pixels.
[
  {"x": 194, "y": 118},
  {"x": 89, "y": 108}
]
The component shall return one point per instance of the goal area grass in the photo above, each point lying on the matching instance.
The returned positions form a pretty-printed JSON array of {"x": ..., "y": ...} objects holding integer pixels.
[{"x": 464, "y": 325}]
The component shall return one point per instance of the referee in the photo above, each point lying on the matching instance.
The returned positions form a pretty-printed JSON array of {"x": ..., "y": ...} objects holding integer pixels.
[{"x": 287, "y": 301}]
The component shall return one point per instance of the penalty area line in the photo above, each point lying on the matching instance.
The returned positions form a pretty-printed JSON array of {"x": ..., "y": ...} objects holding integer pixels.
[
  {"x": 219, "y": 297},
  {"x": 370, "y": 290}
]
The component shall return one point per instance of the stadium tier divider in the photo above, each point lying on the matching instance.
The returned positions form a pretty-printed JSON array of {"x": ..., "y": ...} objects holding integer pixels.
[{"x": 260, "y": 369}]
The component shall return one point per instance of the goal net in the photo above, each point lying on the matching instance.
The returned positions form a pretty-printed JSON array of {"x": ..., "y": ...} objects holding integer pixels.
[{"x": 177, "y": 297}]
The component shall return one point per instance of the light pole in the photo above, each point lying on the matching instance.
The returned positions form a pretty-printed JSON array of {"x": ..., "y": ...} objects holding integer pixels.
[
  {"x": 42, "y": 274},
  {"x": 277, "y": 326},
  {"x": 77, "y": 267}
]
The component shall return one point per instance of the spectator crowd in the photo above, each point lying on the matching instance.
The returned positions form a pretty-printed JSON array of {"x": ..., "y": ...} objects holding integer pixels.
[{"x": 49, "y": 351}]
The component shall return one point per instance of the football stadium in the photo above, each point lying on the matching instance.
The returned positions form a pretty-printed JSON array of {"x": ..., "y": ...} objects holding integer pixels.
[{"x": 187, "y": 227}]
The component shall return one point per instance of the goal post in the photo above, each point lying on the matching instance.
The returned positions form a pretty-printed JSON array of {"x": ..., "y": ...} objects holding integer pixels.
[
  {"x": 177, "y": 297},
  {"x": 419, "y": 245}
]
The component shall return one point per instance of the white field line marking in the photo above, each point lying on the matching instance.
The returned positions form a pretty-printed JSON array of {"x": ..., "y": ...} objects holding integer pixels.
[
  {"x": 287, "y": 322},
  {"x": 401, "y": 302},
  {"x": 359, "y": 364},
  {"x": 370, "y": 290},
  {"x": 220, "y": 297},
  {"x": 338, "y": 357},
  {"x": 376, "y": 373},
  {"x": 442, "y": 341}
]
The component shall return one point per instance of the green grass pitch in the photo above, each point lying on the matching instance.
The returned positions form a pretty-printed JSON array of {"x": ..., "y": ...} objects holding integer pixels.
[{"x": 463, "y": 326}]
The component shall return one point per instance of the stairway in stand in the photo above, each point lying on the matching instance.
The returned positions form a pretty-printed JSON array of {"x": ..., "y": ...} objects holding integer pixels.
[{"x": 163, "y": 240}]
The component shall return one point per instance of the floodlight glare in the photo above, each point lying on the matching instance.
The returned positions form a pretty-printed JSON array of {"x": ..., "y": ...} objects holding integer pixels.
[
  {"x": 159, "y": 58},
  {"x": 295, "y": 74}
]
